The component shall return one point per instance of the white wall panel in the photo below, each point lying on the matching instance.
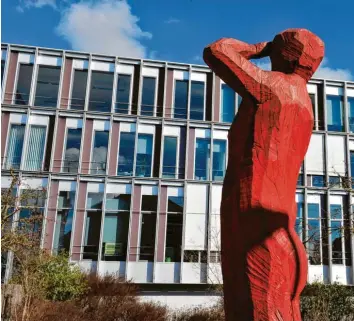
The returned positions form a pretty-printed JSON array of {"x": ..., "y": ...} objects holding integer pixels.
[
  {"x": 80, "y": 64},
  {"x": 196, "y": 217},
  {"x": 193, "y": 272},
  {"x": 119, "y": 188},
  {"x": 214, "y": 273},
  {"x": 39, "y": 120},
  {"x": 350, "y": 92},
  {"x": 18, "y": 118},
  {"x": 73, "y": 123},
  {"x": 146, "y": 129},
  {"x": 35, "y": 183},
  {"x": 102, "y": 66},
  {"x": 126, "y": 127},
  {"x": 180, "y": 75},
  {"x": 49, "y": 60},
  {"x": 95, "y": 188},
  {"x": 220, "y": 134},
  {"x": 116, "y": 268},
  {"x": 149, "y": 190},
  {"x": 125, "y": 69},
  {"x": 215, "y": 241},
  {"x": 101, "y": 125},
  {"x": 167, "y": 272},
  {"x": 337, "y": 91},
  {"x": 150, "y": 72},
  {"x": 313, "y": 198},
  {"x": 175, "y": 191},
  {"x": 315, "y": 155},
  {"x": 25, "y": 58},
  {"x": 311, "y": 88},
  {"x": 171, "y": 131},
  {"x": 69, "y": 186},
  {"x": 198, "y": 76},
  {"x": 336, "y": 154},
  {"x": 6, "y": 181},
  {"x": 202, "y": 133},
  {"x": 140, "y": 272}
]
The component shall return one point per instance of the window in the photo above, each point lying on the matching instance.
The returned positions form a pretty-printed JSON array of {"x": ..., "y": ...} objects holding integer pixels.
[
  {"x": 2, "y": 70},
  {"x": 227, "y": 104},
  {"x": 99, "y": 154},
  {"x": 219, "y": 159},
  {"x": 335, "y": 118},
  {"x": 63, "y": 223},
  {"x": 197, "y": 100},
  {"x": 148, "y": 227},
  {"x": 314, "y": 233},
  {"x": 123, "y": 94},
  {"x": 299, "y": 219},
  {"x": 352, "y": 167},
  {"x": 15, "y": 146},
  {"x": 144, "y": 155},
  {"x": 318, "y": 181},
  {"x": 181, "y": 99},
  {"x": 47, "y": 86},
  {"x": 300, "y": 180},
  {"x": 351, "y": 113},
  {"x": 126, "y": 154},
  {"x": 115, "y": 230},
  {"x": 334, "y": 181},
  {"x": 336, "y": 233},
  {"x": 101, "y": 91},
  {"x": 35, "y": 149},
  {"x": 195, "y": 256},
  {"x": 313, "y": 103},
  {"x": 148, "y": 96},
  {"x": 202, "y": 159},
  {"x": 174, "y": 229},
  {"x": 215, "y": 256},
  {"x": 78, "y": 94},
  {"x": 24, "y": 84},
  {"x": 92, "y": 225},
  {"x": 72, "y": 150},
  {"x": 169, "y": 157}
]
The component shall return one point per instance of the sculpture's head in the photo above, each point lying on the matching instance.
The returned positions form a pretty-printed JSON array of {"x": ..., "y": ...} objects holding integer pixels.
[{"x": 297, "y": 51}]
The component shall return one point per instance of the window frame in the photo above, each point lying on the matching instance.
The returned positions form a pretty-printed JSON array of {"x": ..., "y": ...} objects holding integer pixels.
[
  {"x": 72, "y": 79},
  {"x": 173, "y": 107},
  {"x": 65, "y": 143},
  {"x": 176, "y": 174},
  {"x": 134, "y": 153},
  {"x": 152, "y": 152},
  {"x": 189, "y": 93},
  {"x": 92, "y": 149},
  {"x": 131, "y": 75},
  {"x": 208, "y": 170},
  {"x": 319, "y": 219},
  {"x": 156, "y": 77},
  {"x": 32, "y": 87}
]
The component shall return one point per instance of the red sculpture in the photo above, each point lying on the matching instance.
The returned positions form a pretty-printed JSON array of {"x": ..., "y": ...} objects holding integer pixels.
[{"x": 264, "y": 263}]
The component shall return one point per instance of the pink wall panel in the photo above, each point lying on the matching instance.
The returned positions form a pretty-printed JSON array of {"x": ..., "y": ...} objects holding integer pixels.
[
  {"x": 190, "y": 155},
  {"x": 135, "y": 220},
  {"x": 79, "y": 222},
  {"x": 65, "y": 91},
  {"x": 161, "y": 229},
  {"x": 217, "y": 99},
  {"x": 10, "y": 81},
  {"x": 5, "y": 117},
  {"x": 86, "y": 151},
  {"x": 51, "y": 215},
  {"x": 113, "y": 156},
  {"x": 169, "y": 94},
  {"x": 59, "y": 142}
]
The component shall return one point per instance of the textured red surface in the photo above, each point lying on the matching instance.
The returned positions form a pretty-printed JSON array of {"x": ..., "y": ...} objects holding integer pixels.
[{"x": 264, "y": 263}]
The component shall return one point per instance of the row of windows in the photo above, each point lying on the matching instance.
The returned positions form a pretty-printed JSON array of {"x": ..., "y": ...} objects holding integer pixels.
[
  {"x": 135, "y": 155},
  {"x": 101, "y": 91}
]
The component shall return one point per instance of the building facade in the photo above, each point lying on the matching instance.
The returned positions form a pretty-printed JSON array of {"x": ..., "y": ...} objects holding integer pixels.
[{"x": 132, "y": 154}]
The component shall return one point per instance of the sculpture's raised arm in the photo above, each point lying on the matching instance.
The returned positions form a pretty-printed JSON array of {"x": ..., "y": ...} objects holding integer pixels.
[{"x": 229, "y": 59}]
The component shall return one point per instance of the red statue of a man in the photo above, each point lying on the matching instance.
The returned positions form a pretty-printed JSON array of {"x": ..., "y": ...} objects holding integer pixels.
[{"x": 264, "y": 263}]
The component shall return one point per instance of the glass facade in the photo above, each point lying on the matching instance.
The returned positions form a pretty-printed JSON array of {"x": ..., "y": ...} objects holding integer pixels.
[
  {"x": 99, "y": 153},
  {"x": 197, "y": 100},
  {"x": 72, "y": 150},
  {"x": 24, "y": 84},
  {"x": 126, "y": 154},
  {"x": 123, "y": 95},
  {"x": 47, "y": 88},
  {"x": 169, "y": 168},
  {"x": 144, "y": 155},
  {"x": 78, "y": 94},
  {"x": 227, "y": 104},
  {"x": 181, "y": 99},
  {"x": 202, "y": 159},
  {"x": 219, "y": 159}
]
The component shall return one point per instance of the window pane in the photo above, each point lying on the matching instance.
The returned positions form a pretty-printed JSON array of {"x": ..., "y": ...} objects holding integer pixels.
[
  {"x": 351, "y": 113},
  {"x": 227, "y": 104},
  {"x": 352, "y": 167},
  {"x": 173, "y": 237},
  {"x": 99, "y": 155},
  {"x": 126, "y": 154},
  {"x": 336, "y": 211},
  {"x": 175, "y": 204},
  {"x": 335, "y": 119},
  {"x": 300, "y": 180},
  {"x": 219, "y": 159},
  {"x": 144, "y": 155},
  {"x": 72, "y": 150},
  {"x": 14, "y": 146},
  {"x": 115, "y": 236},
  {"x": 313, "y": 103},
  {"x": 313, "y": 210},
  {"x": 118, "y": 202},
  {"x": 149, "y": 203},
  {"x": 299, "y": 218},
  {"x": 336, "y": 239},
  {"x": 197, "y": 100},
  {"x": 169, "y": 157},
  {"x": 94, "y": 200},
  {"x": 147, "y": 237},
  {"x": 318, "y": 181},
  {"x": 181, "y": 99},
  {"x": 63, "y": 228},
  {"x": 314, "y": 244},
  {"x": 47, "y": 86},
  {"x": 334, "y": 181},
  {"x": 2, "y": 70},
  {"x": 35, "y": 152},
  {"x": 92, "y": 235},
  {"x": 101, "y": 91},
  {"x": 66, "y": 199},
  {"x": 148, "y": 96},
  {"x": 24, "y": 84},
  {"x": 78, "y": 93},
  {"x": 202, "y": 159},
  {"x": 123, "y": 94}
]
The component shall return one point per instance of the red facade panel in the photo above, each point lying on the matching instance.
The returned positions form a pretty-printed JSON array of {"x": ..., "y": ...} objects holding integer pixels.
[
  {"x": 135, "y": 222},
  {"x": 59, "y": 143},
  {"x": 86, "y": 151},
  {"x": 161, "y": 229},
  {"x": 113, "y": 156},
  {"x": 65, "y": 91},
  {"x": 51, "y": 215},
  {"x": 10, "y": 80}
]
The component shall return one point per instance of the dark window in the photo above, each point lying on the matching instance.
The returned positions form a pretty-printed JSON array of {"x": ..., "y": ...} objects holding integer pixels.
[
  {"x": 101, "y": 91},
  {"x": 24, "y": 84},
  {"x": 126, "y": 154},
  {"x": 300, "y": 180},
  {"x": 181, "y": 99},
  {"x": 72, "y": 150},
  {"x": 318, "y": 181},
  {"x": 352, "y": 167},
  {"x": 78, "y": 93},
  {"x": 227, "y": 104},
  {"x": 2, "y": 70},
  {"x": 99, "y": 153},
  {"x": 169, "y": 157},
  {"x": 202, "y": 159},
  {"x": 148, "y": 96},
  {"x": 197, "y": 100},
  {"x": 335, "y": 116},
  {"x": 123, "y": 94},
  {"x": 351, "y": 113},
  {"x": 92, "y": 235},
  {"x": 47, "y": 86},
  {"x": 334, "y": 181}
]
